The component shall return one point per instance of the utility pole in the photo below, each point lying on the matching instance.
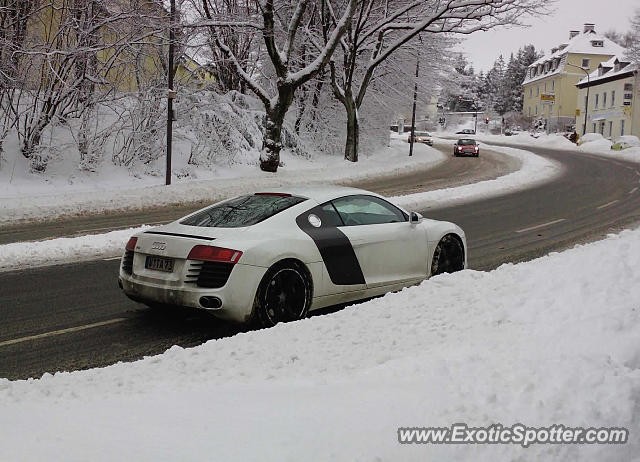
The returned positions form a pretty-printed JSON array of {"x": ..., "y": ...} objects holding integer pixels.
[
  {"x": 475, "y": 126},
  {"x": 171, "y": 94},
  {"x": 415, "y": 99}
]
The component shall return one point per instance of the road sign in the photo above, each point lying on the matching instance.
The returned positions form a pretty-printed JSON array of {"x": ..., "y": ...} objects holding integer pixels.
[{"x": 577, "y": 112}]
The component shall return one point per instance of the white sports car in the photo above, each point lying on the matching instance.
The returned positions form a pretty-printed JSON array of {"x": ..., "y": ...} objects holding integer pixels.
[{"x": 274, "y": 256}]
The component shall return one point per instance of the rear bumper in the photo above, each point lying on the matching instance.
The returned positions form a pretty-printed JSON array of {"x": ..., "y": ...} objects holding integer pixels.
[{"x": 237, "y": 295}]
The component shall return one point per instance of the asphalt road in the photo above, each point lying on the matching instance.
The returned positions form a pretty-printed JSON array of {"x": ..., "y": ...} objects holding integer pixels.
[{"x": 73, "y": 316}]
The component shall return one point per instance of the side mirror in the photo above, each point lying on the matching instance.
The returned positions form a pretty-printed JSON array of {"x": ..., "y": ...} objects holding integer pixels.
[{"x": 415, "y": 218}]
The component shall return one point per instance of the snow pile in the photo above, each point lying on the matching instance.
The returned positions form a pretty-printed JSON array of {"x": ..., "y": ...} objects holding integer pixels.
[
  {"x": 554, "y": 340},
  {"x": 64, "y": 249},
  {"x": 594, "y": 141}
]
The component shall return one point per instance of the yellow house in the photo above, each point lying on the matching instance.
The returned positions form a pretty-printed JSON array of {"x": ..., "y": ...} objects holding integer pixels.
[
  {"x": 550, "y": 92},
  {"x": 608, "y": 100}
]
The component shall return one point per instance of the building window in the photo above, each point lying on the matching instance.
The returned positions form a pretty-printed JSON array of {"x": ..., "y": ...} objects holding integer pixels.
[
  {"x": 536, "y": 109},
  {"x": 594, "y": 128},
  {"x": 597, "y": 100},
  {"x": 611, "y": 128},
  {"x": 622, "y": 127},
  {"x": 597, "y": 43},
  {"x": 529, "y": 111},
  {"x": 545, "y": 87},
  {"x": 586, "y": 63},
  {"x": 530, "y": 92},
  {"x": 553, "y": 85},
  {"x": 537, "y": 90},
  {"x": 604, "y": 99},
  {"x": 613, "y": 98},
  {"x": 628, "y": 86}
]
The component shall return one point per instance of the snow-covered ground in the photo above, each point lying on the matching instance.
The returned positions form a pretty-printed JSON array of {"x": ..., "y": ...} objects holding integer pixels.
[
  {"x": 33, "y": 197},
  {"x": 533, "y": 170},
  {"x": 554, "y": 340}
]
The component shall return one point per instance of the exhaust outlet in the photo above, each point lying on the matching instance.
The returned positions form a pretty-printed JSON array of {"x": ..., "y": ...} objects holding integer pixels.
[{"x": 210, "y": 303}]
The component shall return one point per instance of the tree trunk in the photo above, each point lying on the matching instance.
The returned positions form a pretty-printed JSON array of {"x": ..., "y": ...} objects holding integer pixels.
[
  {"x": 271, "y": 141},
  {"x": 353, "y": 130}
]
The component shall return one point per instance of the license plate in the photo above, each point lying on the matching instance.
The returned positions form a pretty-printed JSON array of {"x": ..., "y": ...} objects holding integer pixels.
[{"x": 159, "y": 264}]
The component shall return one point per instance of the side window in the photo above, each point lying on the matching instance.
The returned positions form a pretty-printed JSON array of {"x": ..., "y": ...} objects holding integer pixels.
[
  {"x": 328, "y": 215},
  {"x": 367, "y": 210}
]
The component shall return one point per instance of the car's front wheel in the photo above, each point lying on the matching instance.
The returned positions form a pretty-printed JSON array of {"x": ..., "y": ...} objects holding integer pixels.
[
  {"x": 284, "y": 294},
  {"x": 448, "y": 256}
]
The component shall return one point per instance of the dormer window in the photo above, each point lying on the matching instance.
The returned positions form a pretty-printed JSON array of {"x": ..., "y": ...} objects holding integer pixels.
[{"x": 597, "y": 43}]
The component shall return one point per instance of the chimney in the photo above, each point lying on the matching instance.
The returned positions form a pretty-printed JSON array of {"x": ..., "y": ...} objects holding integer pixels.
[
  {"x": 563, "y": 46},
  {"x": 589, "y": 28},
  {"x": 573, "y": 33}
]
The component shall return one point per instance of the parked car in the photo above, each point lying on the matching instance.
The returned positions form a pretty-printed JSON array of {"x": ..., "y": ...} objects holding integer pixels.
[
  {"x": 466, "y": 131},
  {"x": 421, "y": 137},
  {"x": 466, "y": 147},
  {"x": 274, "y": 256}
]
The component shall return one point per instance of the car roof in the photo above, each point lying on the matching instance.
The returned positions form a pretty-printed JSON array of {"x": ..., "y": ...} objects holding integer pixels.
[{"x": 320, "y": 193}]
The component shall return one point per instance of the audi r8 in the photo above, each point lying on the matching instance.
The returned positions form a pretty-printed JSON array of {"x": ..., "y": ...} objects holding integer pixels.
[{"x": 275, "y": 255}]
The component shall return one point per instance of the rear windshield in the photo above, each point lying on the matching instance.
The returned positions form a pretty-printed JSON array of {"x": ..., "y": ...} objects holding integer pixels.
[
  {"x": 466, "y": 142},
  {"x": 422, "y": 134},
  {"x": 242, "y": 211}
]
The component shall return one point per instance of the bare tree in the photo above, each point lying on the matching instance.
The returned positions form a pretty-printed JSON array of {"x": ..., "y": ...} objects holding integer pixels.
[
  {"x": 381, "y": 27},
  {"x": 76, "y": 56},
  {"x": 280, "y": 26},
  {"x": 633, "y": 50}
]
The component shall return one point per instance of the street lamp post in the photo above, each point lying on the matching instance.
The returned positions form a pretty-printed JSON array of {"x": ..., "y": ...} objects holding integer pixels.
[
  {"x": 171, "y": 93},
  {"x": 586, "y": 103}
]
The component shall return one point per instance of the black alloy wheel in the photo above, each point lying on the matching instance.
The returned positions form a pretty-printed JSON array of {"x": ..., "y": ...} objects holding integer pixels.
[
  {"x": 448, "y": 256},
  {"x": 284, "y": 294}
]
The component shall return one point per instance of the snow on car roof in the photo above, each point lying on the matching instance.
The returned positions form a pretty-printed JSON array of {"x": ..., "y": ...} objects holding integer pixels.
[{"x": 319, "y": 193}]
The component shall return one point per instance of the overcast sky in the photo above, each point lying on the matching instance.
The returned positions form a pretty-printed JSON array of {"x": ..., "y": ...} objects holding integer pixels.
[{"x": 483, "y": 48}]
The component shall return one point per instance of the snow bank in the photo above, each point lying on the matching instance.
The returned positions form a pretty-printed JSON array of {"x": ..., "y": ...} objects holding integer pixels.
[
  {"x": 64, "y": 249},
  {"x": 31, "y": 200},
  {"x": 554, "y": 340}
]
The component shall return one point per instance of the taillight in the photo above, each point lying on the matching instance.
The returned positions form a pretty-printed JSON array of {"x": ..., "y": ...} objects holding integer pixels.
[
  {"x": 131, "y": 245},
  {"x": 211, "y": 253}
]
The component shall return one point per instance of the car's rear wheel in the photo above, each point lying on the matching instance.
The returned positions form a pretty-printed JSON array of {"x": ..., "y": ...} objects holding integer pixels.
[
  {"x": 284, "y": 294},
  {"x": 448, "y": 256}
]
